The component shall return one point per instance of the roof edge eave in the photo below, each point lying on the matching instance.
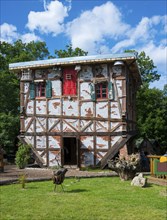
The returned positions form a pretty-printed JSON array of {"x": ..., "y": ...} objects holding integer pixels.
[{"x": 71, "y": 61}]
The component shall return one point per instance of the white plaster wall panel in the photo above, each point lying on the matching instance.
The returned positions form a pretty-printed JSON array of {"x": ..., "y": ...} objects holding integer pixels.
[
  {"x": 102, "y": 126},
  {"x": 54, "y": 124},
  {"x": 87, "y": 142},
  {"x": 120, "y": 101},
  {"x": 74, "y": 123},
  {"x": 54, "y": 142},
  {"x": 27, "y": 122},
  {"x": 101, "y": 70},
  {"x": 30, "y": 107},
  {"x": 99, "y": 156},
  {"x": 56, "y": 88},
  {"x": 40, "y": 107},
  {"x": 31, "y": 128},
  {"x": 42, "y": 121},
  {"x": 70, "y": 108},
  {"x": 115, "y": 110},
  {"x": 54, "y": 158},
  {"x": 56, "y": 128},
  {"x": 87, "y": 109},
  {"x": 114, "y": 124},
  {"x": 40, "y": 127},
  {"x": 118, "y": 129},
  {"x": 119, "y": 87},
  {"x": 114, "y": 139},
  {"x": 51, "y": 122},
  {"x": 54, "y": 73},
  {"x": 26, "y": 87},
  {"x": 40, "y": 141},
  {"x": 30, "y": 140},
  {"x": 84, "y": 124},
  {"x": 54, "y": 107},
  {"x": 85, "y": 91},
  {"x": 67, "y": 128},
  {"x": 25, "y": 99},
  {"x": 86, "y": 73},
  {"x": 87, "y": 158},
  {"x": 102, "y": 142},
  {"x": 102, "y": 110},
  {"x": 90, "y": 128}
]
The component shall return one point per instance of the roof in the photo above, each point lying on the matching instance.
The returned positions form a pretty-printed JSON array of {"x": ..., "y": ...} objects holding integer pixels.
[{"x": 72, "y": 60}]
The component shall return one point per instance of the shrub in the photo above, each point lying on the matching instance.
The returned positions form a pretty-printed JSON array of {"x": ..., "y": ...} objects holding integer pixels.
[
  {"x": 22, "y": 155},
  {"x": 22, "y": 180}
]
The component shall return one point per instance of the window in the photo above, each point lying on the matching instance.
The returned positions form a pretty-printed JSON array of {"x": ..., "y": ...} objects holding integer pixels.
[
  {"x": 26, "y": 75},
  {"x": 102, "y": 90},
  {"x": 68, "y": 77},
  {"x": 40, "y": 90},
  {"x": 69, "y": 81}
]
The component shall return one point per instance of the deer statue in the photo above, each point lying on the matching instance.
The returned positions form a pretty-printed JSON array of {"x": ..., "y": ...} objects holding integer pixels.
[{"x": 58, "y": 177}]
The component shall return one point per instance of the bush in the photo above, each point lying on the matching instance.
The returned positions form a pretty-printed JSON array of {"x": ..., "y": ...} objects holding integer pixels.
[{"x": 22, "y": 155}]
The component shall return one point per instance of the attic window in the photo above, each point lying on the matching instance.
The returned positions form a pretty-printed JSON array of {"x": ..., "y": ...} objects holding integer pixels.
[
  {"x": 68, "y": 77},
  {"x": 26, "y": 75}
]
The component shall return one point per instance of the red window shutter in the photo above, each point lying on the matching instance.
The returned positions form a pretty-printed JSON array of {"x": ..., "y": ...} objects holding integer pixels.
[{"x": 69, "y": 82}]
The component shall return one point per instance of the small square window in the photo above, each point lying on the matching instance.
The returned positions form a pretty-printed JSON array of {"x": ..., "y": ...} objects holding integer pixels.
[
  {"x": 68, "y": 76},
  {"x": 102, "y": 90},
  {"x": 40, "y": 90}
]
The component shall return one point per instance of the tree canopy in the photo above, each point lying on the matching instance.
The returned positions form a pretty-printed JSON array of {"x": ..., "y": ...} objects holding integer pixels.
[
  {"x": 9, "y": 86},
  {"x": 151, "y": 103},
  {"x": 152, "y": 115},
  {"x": 70, "y": 52},
  {"x": 147, "y": 68}
]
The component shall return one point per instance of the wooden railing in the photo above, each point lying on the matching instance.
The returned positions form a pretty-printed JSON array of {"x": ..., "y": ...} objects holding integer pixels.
[{"x": 157, "y": 168}]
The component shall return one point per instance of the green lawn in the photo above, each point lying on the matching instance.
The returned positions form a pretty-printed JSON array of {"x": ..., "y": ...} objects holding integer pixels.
[{"x": 89, "y": 199}]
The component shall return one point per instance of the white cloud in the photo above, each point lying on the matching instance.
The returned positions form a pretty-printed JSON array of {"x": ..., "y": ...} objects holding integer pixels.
[
  {"x": 95, "y": 25},
  {"x": 48, "y": 21},
  {"x": 159, "y": 56},
  {"x": 142, "y": 33},
  {"x": 8, "y": 33},
  {"x": 26, "y": 38}
]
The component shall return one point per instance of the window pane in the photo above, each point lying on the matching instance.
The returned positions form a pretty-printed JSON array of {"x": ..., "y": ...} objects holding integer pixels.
[
  {"x": 40, "y": 89},
  {"x": 101, "y": 90}
]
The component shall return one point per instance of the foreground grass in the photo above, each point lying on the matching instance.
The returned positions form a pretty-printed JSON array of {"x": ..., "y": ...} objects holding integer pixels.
[{"x": 88, "y": 199}]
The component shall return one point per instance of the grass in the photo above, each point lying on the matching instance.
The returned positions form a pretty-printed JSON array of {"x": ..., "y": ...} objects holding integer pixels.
[{"x": 88, "y": 199}]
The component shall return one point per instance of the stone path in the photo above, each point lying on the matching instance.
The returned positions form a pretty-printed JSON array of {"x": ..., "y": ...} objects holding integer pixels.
[{"x": 12, "y": 173}]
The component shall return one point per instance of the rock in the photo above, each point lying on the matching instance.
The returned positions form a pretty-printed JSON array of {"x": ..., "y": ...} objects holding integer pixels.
[{"x": 139, "y": 181}]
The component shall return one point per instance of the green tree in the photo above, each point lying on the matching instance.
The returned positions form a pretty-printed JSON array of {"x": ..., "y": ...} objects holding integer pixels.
[
  {"x": 70, "y": 52},
  {"x": 22, "y": 155},
  {"x": 9, "y": 86},
  {"x": 151, "y": 103},
  {"x": 152, "y": 115},
  {"x": 147, "y": 68}
]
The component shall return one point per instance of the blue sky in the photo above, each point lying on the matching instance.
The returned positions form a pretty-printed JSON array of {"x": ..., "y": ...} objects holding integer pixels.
[{"x": 96, "y": 26}]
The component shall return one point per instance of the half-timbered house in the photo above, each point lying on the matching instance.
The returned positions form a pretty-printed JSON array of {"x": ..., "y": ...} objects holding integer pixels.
[{"x": 78, "y": 110}]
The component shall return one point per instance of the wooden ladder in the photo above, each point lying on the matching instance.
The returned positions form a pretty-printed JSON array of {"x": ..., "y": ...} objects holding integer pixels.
[
  {"x": 114, "y": 150},
  {"x": 40, "y": 161}
]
